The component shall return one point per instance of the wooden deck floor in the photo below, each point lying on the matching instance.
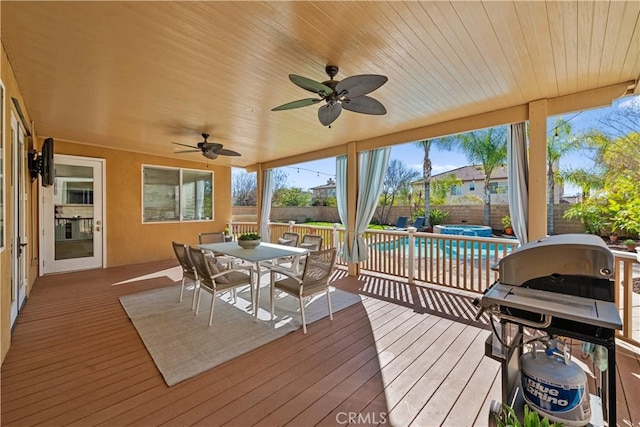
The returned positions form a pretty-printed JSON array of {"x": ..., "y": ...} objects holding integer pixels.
[{"x": 407, "y": 356}]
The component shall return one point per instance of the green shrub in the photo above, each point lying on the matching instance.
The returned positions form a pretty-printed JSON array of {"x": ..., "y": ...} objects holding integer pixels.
[{"x": 436, "y": 216}]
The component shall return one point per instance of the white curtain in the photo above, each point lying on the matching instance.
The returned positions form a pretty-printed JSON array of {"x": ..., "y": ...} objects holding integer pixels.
[
  {"x": 341, "y": 195},
  {"x": 518, "y": 180},
  {"x": 372, "y": 167},
  {"x": 267, "y": 195}
]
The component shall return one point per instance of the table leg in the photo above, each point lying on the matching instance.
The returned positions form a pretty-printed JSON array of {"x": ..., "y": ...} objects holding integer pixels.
[{"x": 257, "y": 300}]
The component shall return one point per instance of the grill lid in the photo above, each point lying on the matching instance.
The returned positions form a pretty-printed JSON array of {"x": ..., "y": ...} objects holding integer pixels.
[{"x": 564, "y": 254}]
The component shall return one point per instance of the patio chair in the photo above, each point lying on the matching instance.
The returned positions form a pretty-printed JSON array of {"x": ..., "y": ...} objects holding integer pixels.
[
  {"x": 218, "y": 280},
  {"x": 401, "y": 223},
  {"x": 313, "y": 242},
  {"x": 288, "y": 239},
  {"x": 217, "y": 237},
  {"x": 419, "y": 223},
  {"x": 314, "y": 280},
  {"x": 188, "y": 269}
]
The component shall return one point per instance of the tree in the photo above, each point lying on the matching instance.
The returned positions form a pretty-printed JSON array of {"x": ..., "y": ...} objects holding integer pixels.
[
  {"x": 558, "y": 145},
  {"x": 293, "y": 196},
  {"x": 398, "y": 176},
  {"x": 426, "y": 145},
  {"x": 488, "y": 148},
  {"x": 441, "y": 187},
  {"x": 244, "y": 189},
  {"x": 280, "y": 179}
]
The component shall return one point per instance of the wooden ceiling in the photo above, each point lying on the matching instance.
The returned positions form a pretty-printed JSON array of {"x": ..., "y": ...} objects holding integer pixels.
[{"x": 139, "y": 75}]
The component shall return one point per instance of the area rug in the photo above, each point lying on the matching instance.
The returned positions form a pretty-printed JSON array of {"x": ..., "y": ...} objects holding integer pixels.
[{"x": 181, "y": 343}]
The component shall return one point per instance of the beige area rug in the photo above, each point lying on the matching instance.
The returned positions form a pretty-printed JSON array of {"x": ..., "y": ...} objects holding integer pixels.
[{"x": 181, "y": 343}]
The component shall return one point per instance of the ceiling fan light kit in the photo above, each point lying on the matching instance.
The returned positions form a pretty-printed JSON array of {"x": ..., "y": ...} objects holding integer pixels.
[
  {"x": 348, "y": 94},
  {"x": 210, "y": 150}
]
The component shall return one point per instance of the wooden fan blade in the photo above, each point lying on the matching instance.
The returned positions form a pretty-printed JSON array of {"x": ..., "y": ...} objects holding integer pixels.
[
  {"x": 185, "y": 145},
  {"x": 187, "y": 151},
  {"x": 225, "y": 152},
  {"x": 297, "y": 104},
  {"x": 364, "y": 105},
  {"x": 310, "y": 85},
  {"x": 328, "y": 113},
  {"x": 356, "y": 86}
]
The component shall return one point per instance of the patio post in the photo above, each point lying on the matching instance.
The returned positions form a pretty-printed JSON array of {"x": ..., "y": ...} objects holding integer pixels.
[
  {"x": 291, "y": 224},
  {"x": 537, "y": 170},
  {"x": 411, "y": 266},
  {"x": 334, "y": 236}
]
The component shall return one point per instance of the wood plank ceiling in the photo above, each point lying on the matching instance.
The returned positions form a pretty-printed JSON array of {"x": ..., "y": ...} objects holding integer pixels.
[{"x": 139, "y": 75}]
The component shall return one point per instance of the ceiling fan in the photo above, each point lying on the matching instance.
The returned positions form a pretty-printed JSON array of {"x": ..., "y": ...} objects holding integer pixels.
[
  {"x": 211, "y": 150},
  {"x": 349, "y": 94}
]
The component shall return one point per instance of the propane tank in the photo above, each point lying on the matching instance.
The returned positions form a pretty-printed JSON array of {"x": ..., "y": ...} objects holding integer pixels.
[{"x": 555, "y": 386}]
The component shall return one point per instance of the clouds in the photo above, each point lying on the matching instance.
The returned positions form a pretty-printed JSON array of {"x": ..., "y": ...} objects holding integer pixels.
[{"x": 632, "y": 102}]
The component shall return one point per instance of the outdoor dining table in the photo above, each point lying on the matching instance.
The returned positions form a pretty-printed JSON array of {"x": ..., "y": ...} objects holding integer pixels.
[{"x": 263, "y": 252}]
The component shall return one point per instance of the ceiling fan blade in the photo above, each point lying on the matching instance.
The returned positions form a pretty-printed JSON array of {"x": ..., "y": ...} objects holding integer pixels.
[
  {"x": 297, "y": 104},
  {"x": 211, "y": 146},
  {"x": 185, "y": 145},
  {"x": 328, "y": 113},
  {"x": 210, "y": 155},
  {"x": 310, "y": 85},
  {"x": 225, "y": 152},
  {"x": 355, "y": 86},
  {"x": 187, "y": 151},
  {"x": 364, "y": 105}
]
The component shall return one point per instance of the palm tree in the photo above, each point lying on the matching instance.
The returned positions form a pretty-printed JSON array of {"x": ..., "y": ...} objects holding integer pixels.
[
  {"x": 559, "y": 144},
  {"x": 488, "y": 148},
  {"x": 426, "y": 145}
]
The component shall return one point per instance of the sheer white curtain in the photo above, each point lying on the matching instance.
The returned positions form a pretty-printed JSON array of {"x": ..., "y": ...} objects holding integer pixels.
[
  {"x": 372, "y": 167},
  {"x": 341, "y": 196},
  {"x": 267, "y": 195},
  {"x": 518, "y": 176}
]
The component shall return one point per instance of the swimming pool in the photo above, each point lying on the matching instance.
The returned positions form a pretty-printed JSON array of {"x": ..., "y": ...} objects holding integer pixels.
[
  {"x": 445, "y": 247},
  {"x": 464, "y": 230}
]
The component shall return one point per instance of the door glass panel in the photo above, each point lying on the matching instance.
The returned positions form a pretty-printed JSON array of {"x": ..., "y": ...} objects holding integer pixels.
[{"x": 73, "y": 202}]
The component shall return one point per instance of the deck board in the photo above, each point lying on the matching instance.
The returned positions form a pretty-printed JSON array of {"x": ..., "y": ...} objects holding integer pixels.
[{"x": 407, "y": 354}]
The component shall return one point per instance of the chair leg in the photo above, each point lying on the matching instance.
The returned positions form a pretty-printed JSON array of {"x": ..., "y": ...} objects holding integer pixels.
[
  {"x": 329, "y": 303},
  {"x": 213, "y": 300},
  {"x": 181, "y": 289},
  {"x": 304, "y": 322},
  {"x": 198, "y": 303},
  {"x": 235, "y": 295},
  {"x": 256, "y": 303},
  {"x": 196, "y": 289}
]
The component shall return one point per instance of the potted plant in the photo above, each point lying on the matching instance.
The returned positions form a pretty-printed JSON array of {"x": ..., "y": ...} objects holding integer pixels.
[
  {"x": 613, "y": 237},
  {"x": 249, "y": 240},
  {"x": 506, "y": 223},
  {"x": 508, "y": 418},
  {"x": 630, "y": 244}
]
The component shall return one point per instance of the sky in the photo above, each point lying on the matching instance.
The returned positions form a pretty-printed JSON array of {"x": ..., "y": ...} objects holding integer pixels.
[{"x": 312, "y": 174}]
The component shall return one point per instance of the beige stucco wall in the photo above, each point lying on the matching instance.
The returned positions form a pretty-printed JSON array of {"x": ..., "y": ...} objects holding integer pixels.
[
  {"x": 12, "y": 91},
  {"x": 129, "y": 241}
]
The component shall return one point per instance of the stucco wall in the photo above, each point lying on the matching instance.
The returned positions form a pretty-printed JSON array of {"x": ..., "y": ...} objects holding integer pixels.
[{"x": 129, "y": 241}]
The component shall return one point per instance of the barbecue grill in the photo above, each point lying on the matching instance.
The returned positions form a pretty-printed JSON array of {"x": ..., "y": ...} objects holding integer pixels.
[{"x": 561, "y": 286}]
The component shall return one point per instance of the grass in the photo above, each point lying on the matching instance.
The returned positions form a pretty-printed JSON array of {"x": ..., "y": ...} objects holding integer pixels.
[{"x": 330, "y": 224}]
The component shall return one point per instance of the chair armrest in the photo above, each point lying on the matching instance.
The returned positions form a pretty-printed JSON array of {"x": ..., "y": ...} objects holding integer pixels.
[{"x": 286, "y": 272}]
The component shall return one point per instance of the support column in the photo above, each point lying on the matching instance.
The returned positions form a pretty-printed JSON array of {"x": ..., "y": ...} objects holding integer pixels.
[
  {"x": 259, "y": 179},
  {"x": 537, "y": 169},
  {"x": 352, "y": 200}
]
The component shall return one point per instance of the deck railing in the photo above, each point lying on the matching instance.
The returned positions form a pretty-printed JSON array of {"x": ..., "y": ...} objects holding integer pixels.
[{"x": 459, "y": 262}]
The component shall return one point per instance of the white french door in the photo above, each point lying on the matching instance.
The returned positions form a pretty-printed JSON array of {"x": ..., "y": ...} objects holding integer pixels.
[
  {"x": 72, "y": 216},
  {"x": 19, "y": 239}
]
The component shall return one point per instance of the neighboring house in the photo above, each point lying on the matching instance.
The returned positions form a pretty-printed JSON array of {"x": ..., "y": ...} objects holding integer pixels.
[
  {"x": 472, "y": 178},
  {"x": 321, "y": 192}
]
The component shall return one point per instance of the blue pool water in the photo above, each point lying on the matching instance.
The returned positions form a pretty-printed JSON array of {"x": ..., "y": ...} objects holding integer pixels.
[
  {"x": 464, "y": 230},
  {"x": 444, "y": 247}
]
